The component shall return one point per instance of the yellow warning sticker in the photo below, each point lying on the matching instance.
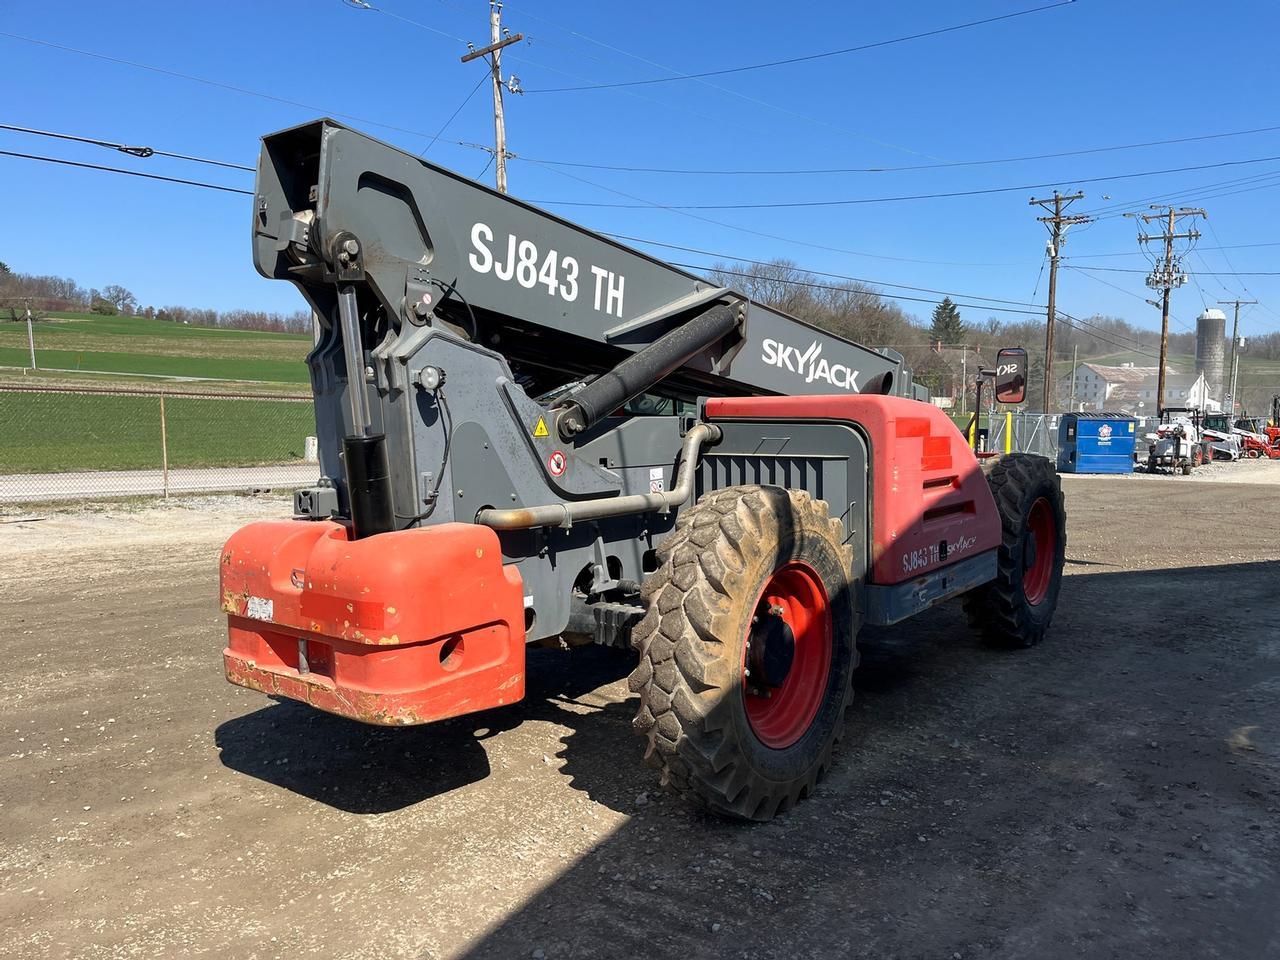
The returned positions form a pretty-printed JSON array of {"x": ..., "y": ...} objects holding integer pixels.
[{"x": 540, "y": 429}]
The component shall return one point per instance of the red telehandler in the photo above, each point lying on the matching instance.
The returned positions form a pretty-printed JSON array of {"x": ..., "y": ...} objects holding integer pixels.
[{"x": 531, "y": 433}]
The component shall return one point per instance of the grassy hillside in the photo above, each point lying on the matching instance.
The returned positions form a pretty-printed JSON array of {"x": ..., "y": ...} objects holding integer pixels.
[
  {"x": 56, "y": 432},
  {"x": 138, "y": 346},
  {"x": 1183, "y": 363}
]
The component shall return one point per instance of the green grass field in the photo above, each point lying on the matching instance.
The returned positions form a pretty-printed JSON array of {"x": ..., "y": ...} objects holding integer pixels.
[
  {"x": 57, "y": 432},
  {"x": 156, "y": 348}
]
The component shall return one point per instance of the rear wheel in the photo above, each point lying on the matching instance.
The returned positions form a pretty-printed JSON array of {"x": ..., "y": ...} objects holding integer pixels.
[
  {"x": 1015, "y": 609},
  {"x": 746, "y": 650}
]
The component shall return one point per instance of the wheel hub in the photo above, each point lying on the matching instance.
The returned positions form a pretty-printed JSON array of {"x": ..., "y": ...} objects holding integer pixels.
[
  {"x": 771, "y": 649},
  {"x": 787, "y": 655},
  {"x": 1039, "y": 547}
]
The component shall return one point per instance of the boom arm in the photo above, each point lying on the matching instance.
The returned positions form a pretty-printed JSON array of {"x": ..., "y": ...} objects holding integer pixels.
[{"x": 555, "y": 299}]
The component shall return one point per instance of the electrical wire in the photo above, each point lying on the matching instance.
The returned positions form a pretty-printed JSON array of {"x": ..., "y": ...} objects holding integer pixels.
[
  {"x": 133, "y": 151},
  {"x": 769, "y": 236},
  {"x": 839, "y": 276},
  {"x": 362, "y": 5},
  {"x": 433, "y": 495},
  {"x": 711, "y": 268},
  {"x": 445, "y": 126},
  {"x": 812, "y": 56},
  {"x": 791, "y": 204},
  {"x": 1138, "y": 253},
  {"x": 676, "y": 171},
  {"x": 127, "y": 173},
  {"x": 1211, "y": 273},
  {"x": 245, "y": 91}
]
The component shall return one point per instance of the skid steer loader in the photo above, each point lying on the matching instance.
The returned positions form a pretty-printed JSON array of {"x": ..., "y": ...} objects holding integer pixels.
[{"x": 529, "y": 432}]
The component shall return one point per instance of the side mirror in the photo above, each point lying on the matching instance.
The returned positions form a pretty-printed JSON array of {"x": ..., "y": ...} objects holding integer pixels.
[{"x": 1011, "y": 375}]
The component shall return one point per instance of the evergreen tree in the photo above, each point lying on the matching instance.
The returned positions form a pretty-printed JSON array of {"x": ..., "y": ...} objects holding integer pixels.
[{"x": 947, "y": 326}]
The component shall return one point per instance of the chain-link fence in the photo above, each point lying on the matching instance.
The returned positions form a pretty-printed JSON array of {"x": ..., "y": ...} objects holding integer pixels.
[
  {"x": 71, "y": 443},
  {"x": 1023, "y": 432}
]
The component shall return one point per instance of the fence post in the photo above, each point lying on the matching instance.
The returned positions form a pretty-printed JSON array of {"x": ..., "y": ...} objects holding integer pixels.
[{"x": 164, "y": 446}]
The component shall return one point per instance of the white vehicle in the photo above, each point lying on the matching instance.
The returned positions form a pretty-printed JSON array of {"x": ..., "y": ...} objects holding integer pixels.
[{"x": 1176, "y": 443}]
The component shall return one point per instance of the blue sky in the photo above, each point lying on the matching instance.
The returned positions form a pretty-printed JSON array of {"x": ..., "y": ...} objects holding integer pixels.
[{"x": 1076, "y": 77}]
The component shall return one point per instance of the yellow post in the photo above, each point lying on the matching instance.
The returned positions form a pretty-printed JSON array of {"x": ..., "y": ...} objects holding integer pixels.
[{"x": 1008, "y": 431}]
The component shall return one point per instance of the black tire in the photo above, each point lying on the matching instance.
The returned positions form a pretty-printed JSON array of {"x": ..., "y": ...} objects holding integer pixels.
[
  {"x": 694, "y": 697},
  {"x": 1002, "y": 611},
  {"x": 1186, "y": 468}
]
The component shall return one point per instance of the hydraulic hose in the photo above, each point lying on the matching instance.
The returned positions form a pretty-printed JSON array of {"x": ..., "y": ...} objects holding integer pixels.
[{"x": 566, "y": 514}]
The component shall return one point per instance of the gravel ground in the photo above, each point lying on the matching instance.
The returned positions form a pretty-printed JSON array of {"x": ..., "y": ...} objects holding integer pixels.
[{"x": 1112, "y": 793}]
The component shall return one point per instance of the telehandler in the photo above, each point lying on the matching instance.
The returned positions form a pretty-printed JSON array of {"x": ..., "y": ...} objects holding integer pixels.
[{"x": 530, "y": 433}]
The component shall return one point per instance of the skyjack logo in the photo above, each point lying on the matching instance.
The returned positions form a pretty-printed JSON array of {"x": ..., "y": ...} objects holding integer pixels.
[{"x": 809, "y": 363}]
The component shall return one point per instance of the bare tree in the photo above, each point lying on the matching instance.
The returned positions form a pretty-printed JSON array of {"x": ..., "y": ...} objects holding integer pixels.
[{"x": 120, "y": 298}]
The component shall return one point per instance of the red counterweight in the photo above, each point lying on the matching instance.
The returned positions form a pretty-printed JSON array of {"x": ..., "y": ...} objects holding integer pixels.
[{"x": 401, "y": 628}]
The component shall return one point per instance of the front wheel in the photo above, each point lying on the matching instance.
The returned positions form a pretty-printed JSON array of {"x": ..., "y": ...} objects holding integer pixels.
[
  {"x": 1015, "y": 609},
  {"x": 746, "y": 650}
]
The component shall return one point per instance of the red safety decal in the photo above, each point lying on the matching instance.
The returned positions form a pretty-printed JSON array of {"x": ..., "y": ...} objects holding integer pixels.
[{"x": 557, "y": 463}]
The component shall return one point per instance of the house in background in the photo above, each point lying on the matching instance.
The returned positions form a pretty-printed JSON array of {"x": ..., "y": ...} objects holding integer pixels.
[{"x": 1132, "y": 389}]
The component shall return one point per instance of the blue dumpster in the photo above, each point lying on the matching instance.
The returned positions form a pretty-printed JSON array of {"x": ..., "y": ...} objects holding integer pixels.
[{"x": 1096, "y": 443}]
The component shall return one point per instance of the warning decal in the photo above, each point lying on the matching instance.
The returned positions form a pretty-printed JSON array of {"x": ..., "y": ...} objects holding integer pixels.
[
  {"x": 540, "y": 429},
  {"x": 557, "y": 463}
]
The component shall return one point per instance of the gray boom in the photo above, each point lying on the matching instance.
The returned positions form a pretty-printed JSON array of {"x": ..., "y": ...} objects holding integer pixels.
[{"x": 504, "y": 354}]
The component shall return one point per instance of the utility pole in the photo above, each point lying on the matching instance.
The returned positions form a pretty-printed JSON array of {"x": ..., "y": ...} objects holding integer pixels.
[
  {"x": 1057, "y": 224},
  {"x": 494, "y": 52},
  {"x": 1167, "y": 273},
  {"x": 31, "y": 340},
  {"x": 1235, "y": 341}
]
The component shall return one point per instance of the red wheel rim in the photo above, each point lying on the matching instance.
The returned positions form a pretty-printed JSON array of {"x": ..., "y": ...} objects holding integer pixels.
[
  {"x": 781, "y": 718},
  {"x": 1042, "y": 547}
]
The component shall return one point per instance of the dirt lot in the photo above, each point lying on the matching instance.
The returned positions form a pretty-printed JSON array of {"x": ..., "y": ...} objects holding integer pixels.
[{"x": 1112, "y": 793}]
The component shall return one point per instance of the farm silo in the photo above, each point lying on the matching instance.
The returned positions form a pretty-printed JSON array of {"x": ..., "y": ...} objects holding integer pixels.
[{"x": 1211, "y": 338}]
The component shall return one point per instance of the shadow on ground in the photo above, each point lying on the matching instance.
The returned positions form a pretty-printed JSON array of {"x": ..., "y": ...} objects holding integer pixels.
[
  {"x": 1092, "y": 798},
  {"x": 1111, "y": 793},
  {"x": 362, "y": 769}
]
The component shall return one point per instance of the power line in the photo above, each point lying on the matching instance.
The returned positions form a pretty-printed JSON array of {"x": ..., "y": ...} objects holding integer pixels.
[
  {"x": 822, "y": 273},
  {"x": 1138, "y": 253},
  {"x": 1117, "y": 209},
  {"x": 127, "y": 173},
  {"x": 1210, "y": 273},
  {"x": 769, "y": 236},
  {"x": 655, "y": 205},
  {"x": 809, "y": 57},
  {"x": 1071, "y": 321},
  {"x": 133, "y": 151},
  {"x": 788, "y": 204},
  {"x": 842, "y": 289},
  {"x": 362, "y": 5},
  {"x": 445, "y": 126},
  {"x": 218, "y": 84},
  {"x": 713, "y": 86},
  {"x": 676, "y": 171}
]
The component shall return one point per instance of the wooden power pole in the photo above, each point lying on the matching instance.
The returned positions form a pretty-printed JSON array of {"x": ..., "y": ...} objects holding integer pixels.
[
  {"x": 1167, "y": 272},
  {"x": 1235, "y": 342},
  {"x": 494, "y": 52},
  {"x": 1057, "y": 223}
]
